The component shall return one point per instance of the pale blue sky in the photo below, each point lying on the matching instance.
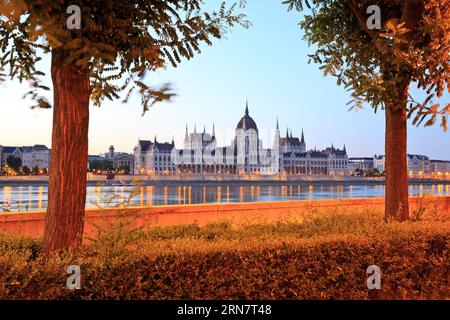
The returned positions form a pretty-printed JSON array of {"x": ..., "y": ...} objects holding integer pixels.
[{"x": 266, "y": 64}]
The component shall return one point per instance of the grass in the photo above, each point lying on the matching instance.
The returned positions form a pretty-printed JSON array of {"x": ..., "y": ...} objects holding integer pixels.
[{"x": 315, "y": 256}]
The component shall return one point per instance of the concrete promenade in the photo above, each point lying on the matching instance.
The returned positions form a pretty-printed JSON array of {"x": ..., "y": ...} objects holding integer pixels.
[{"x": 32, "y": 223}]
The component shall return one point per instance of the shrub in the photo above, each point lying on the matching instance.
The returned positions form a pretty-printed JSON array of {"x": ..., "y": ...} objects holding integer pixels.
[{"x": 321, "y": 257}]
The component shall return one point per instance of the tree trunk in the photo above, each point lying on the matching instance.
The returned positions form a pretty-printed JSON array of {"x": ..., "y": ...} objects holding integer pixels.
[
  {"x": 396, "y": 167},
  {"x": 64, "y": 221}
]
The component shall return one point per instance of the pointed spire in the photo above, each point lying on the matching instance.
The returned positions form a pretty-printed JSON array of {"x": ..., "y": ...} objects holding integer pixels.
[
  {"x": 204, "y": 129},
  {"x": 195, "y": 128},
  {"x": 173, "y": 141},
  {"x": 291, "y": 134},
  {"x": 246, "y": 108},
  {"x": 332, "y": 146},
  {"x": 303, "y": 137},
  {"x": 278, "y": 127},
  {"x": 186, "y": 135},
  {"x": 214, "y": 131},
  {"x": 345, "y": 149},
  {"x": 155, "y": 139},
  {"x": 287, "y": 133}
]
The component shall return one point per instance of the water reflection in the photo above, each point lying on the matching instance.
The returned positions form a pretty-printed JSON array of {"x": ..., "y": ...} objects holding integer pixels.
[
  {"x": 20, "y": 198},
  {"x": 40, "y": 197}
]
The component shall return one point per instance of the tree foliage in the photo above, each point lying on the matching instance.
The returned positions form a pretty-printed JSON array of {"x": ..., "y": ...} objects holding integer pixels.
[
  {"x": 103, "y": 165},
  {"x": 14, "y": 163},
  {"x": 372, "y": 63},
  {"x": 119, "y": 41},
  {"x": 26, "y": 170}
]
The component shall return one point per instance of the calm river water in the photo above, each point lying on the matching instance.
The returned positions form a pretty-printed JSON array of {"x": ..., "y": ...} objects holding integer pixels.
[{"x": 27, "y": 198}]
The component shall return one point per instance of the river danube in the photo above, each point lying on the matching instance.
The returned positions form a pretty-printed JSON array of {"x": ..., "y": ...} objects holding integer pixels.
[{"x": 30, "y": 198}]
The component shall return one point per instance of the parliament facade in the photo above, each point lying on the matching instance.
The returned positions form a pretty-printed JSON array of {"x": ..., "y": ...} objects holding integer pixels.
[{"x": 245, "y": 154}]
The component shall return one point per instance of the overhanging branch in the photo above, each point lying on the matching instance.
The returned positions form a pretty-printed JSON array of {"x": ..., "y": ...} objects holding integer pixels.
[{"x": 363, "y": 24}]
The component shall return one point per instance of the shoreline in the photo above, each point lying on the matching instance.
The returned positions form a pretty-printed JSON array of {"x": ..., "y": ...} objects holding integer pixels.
[
  {"x": 31, "y": 223},
  {"x": 93, "y": 181}
]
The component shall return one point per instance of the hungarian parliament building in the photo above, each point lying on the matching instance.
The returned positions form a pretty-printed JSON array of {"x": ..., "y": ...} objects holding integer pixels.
[{"x": 244, "y": 155}]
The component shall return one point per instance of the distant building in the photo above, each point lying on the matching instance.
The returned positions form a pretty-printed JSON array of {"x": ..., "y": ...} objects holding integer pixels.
[
  {"x": 120, "y": 160},
  {"x": 36, "y": 156},
  {"x": 417, "y": 164},
  {"x": 440, "y": 167},
  {"x": 153, "y": 157},
  {"x": 31, "y": 156},
  {"x": 291, "y": 144},
  {"x": 330, "y": 161},
  {"x": 379, "y": 163},
  {"x": 245, "y": 155},
  {"x": 358, "y": 164}
]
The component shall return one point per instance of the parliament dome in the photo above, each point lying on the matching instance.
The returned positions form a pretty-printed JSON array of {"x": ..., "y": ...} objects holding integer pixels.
[{"x": 246, "y": 122}]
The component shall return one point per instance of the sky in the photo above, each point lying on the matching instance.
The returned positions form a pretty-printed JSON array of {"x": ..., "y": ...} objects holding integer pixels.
[{"x": 266, "y": 64}]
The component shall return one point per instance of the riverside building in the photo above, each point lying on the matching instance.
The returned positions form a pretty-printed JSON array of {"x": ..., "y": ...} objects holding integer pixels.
[{"x": 245, "y": 155}]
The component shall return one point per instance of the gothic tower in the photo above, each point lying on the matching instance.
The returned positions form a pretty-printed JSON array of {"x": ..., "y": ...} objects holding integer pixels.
[{"x": 302, "y": 143}]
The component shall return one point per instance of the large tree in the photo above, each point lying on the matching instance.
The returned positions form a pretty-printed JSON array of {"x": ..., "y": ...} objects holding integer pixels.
[
  {"x": 378, "y": 61},
  {"x": 98, "y": 50}
]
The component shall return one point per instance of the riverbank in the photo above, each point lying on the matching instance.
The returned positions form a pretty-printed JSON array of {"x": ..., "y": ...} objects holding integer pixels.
[
  {"x": 31, "y": 224},
  {"x": 96, "y": 180}
]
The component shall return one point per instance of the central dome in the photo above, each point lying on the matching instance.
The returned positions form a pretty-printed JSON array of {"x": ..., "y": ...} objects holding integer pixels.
[{"x": 247, "y": 122}]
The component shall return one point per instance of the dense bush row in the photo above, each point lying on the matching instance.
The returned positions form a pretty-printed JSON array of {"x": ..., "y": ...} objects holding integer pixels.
[{"x": 278, "y": 261}]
